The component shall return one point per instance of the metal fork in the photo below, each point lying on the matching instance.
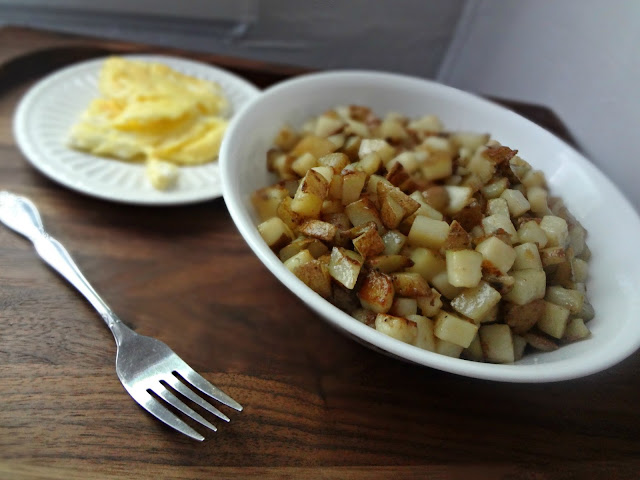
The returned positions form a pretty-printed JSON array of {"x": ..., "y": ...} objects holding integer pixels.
[{"x": 148, "y": 369}]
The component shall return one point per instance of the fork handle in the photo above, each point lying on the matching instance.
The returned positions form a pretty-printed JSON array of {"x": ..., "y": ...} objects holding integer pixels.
[{"x": 21, "y": 215}]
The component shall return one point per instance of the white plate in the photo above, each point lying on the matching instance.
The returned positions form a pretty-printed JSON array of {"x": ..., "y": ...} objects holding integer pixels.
[
  {"x": 612, "y": 223},
  {"x": 48, "y": 110}
]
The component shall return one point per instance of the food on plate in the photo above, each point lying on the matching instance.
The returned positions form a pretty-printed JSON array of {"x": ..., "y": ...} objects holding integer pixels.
[
  {"x": 445, "y": 240},
  {"x": 149, "y": 112}
]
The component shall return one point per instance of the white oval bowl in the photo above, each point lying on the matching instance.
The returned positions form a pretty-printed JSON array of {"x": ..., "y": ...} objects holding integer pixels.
[{"x": 612, "y": 223}]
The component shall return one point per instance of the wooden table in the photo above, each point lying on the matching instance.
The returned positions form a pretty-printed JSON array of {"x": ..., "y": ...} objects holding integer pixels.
[{"x": 317, "y": 404}]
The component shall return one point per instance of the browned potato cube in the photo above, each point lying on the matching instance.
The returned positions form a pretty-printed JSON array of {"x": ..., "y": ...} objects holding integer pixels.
[
  {"x": 369, "y": 243},
  {"x": 412, "y": 285},
  {"x": 376, "y": 293},
  {"x": 497, "y": 343},
  {"x": 521, "y": 318},
  {"x": 345, "y": 266},
  {"x": 316, "y": 146},
  {"x": 389, "y": 263},
  {"x": 397, "y": 327},
  {"x": 318, "y": 229},
  {"x": 267, "y": 199},
  {"x": 275, "y": 233},
  {"x": 315, "y": 275}
]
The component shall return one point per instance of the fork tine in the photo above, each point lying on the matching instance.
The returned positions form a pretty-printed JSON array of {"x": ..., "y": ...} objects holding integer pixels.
[
  {"x": 154, "y": 407},
  {"x": 177, "y": 385},
  {"x": 202, "y": 384},
  {"x": 174, "y": 401}
]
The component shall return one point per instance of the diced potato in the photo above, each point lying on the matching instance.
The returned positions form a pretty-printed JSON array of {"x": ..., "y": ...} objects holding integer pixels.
[
  {"x": 477, "y": 302},
  {"x": 303, "y": 163},
  {"x": 554, "y": 321},
  {"x": 298, "y": 259},
  {"x": 498, "y": 253},
  {"x": 448, "y": 349},
  {"x": 437, "y": 197},
  {"x": 266, "y": 200},
  {"x": 426, "y": 262},
  {"x": 315, "y": 274},
  {"x": 409, "y": 284},
  {"x": 318, "y": 229},
  {"x": 286, "y": 138},
  {"x": 391, "y": 211},
  {"x": 482, "y": 168},
  {"x": 530, "y": 232},
  {"x": 408, "y": 160},
  {"x": 519, "y": 345},
  {"x": 494, "y": 189},
  {"x": 529, "y": 285},
  {"x": 437, "y": 165},
  {"x": 494, "y": 223},
  {"x": 474, "y": 350},
  {"x": 577, "y": 238},
  {"x": 497, "y": 343},
  {"x": 527, "y": 257},
  {"x": 553, "y": 256},
  {"x": 537, "y": 197},
  {"x": 364, "y": 211},
  {"x": 464, "y": 267},
  {"x": 522, "y": 318},
  {"x": 392, "y": 197},
  {"x": 428, "y": 123},
  {"x": 377, "y": 292},
  {"x": 315, "y": 247},
  {"x": 459, "y": 197},
  {"x": 345, "y": 266},
  {"x": 580, "y": 270},
  {"x": 397, "y": 327},
  {"x": 454, "y": 329},
  {"x": 404, "y": 307},
  {"x": 393, "y": 242},
  {"x": 565, "y": 297},
  {"x": 379, "y": 146},
  {"x": 441, "y": 282},
  {"x": 275, "y": 233},
  {"x": 369, "y": 243},
  {"x": 352, "y": 185},
  {"x": 310, "y": 194},
  {"x": 556, "y": 229},
  {"x": 326, "y": 171},
  {"x": 498, "y": 206},
  {"x": 425, "y": 209},
  {"x": 430, "y": 304},
  {"x": 427, "y": 232},
  {"x": 365, "y": 316},
  {"x": 370, "y": 164},
  {"x": 337, "y": 161},
  {"x": 540, "y": 342},
  {"x": 516, "y": 202},
  {"x": 425, "y": 337},
  {"x": 327, "y": 125},
  {"x": 316, "y": 146},
  {"x": 576, "y": 330},
  {"x": 458, "y": 238}
]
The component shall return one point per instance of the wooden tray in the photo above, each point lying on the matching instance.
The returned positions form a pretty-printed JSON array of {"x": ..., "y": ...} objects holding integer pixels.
[{"x": 318, "y": 405}]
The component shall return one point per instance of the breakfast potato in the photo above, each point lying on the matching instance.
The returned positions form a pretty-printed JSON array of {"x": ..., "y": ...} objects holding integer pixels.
[{"x": 444, "y": 240}]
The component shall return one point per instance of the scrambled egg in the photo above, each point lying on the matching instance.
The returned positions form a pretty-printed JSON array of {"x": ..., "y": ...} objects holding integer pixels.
[{"x": 150, "y": 111}]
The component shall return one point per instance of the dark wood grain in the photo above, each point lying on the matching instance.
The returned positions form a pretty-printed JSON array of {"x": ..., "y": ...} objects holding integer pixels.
[{"x": 317, "y": 404}]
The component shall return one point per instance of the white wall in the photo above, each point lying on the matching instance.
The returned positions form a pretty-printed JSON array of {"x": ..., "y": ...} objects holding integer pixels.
[{"x": 579, "y": 57}]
